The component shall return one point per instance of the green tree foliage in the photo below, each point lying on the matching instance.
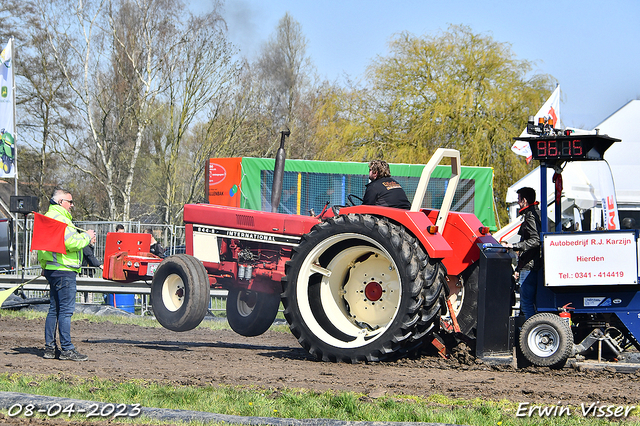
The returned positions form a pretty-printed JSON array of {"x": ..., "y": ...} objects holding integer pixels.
[{"x": 455, "y": 90}]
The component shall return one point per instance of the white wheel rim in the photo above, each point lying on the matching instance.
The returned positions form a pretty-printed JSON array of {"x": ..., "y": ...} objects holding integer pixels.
[
  {"x": 370, "y": 270},
  {"x": 173, "y": 292},
  {"x": 457, "y": 302},
  {"x": 543, "y": 340},
  {"x": 243, "y": 307}
]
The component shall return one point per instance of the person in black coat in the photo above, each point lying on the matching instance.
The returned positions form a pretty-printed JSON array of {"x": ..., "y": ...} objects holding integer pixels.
[
  {"x": 383, "y": 190},
  {"x": 528, "y": 248},
  {"x": 155, "y": 248},
  {"x": 89, "y": 259}
]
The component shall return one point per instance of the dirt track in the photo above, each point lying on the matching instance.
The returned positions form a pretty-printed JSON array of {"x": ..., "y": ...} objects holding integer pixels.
[{"x": 274, "y": 360}]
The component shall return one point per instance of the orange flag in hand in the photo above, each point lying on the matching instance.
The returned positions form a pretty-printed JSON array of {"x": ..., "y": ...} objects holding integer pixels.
[{"x": 48, "y": 234}]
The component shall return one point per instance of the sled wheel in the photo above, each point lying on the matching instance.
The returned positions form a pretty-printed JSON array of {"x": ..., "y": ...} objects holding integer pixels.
[
  {"x": 546, "y": 340},
  {"x": 465, "y": 302},
  {"x": 250, "y": 313},
  {"x": 353, "y": 289},
  {"x": 180, "y": 292}
]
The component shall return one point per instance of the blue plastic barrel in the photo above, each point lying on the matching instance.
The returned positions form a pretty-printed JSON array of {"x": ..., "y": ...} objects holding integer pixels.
[{"x": 125, "y": 302}]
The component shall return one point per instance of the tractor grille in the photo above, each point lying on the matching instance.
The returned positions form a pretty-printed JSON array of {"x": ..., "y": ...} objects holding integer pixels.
[{"x": 244, "y": 220}]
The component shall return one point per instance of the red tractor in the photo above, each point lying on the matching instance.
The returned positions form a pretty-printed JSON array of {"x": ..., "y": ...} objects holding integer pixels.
[{"x": 358, "y": 283}]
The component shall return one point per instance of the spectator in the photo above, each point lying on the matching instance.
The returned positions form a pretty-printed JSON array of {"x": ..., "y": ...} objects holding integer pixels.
[
  {"x": 155, "y": 248},
  {"x": 89, "y": 259},
  {"x": 289, "y": 201},
  {"x": 330, "y": 197},
  {"x": 382, "y": 190},
  {"x": 60, "y": 270},
  {"x": 119, "y": 227}
]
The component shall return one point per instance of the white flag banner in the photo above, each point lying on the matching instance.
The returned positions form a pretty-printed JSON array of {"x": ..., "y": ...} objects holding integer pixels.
[
  {"x": 550, "y": 109},
  {"x": 522, "y": 148},
  {"x": 608, "y": 198},
  {"x": 7, "y": 120}
]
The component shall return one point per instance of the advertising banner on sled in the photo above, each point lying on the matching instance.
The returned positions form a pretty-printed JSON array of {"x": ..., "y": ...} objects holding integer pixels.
[{"x": 223, "y": 180}]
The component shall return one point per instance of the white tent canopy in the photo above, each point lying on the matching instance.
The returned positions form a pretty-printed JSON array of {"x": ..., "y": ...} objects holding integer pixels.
[{"x": 624, "y": 157}]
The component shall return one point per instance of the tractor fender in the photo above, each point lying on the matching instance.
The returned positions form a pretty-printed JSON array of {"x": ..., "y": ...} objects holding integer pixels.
[
  {"x": 463, "y": 234},
  {"x": 416, "y": 223}
]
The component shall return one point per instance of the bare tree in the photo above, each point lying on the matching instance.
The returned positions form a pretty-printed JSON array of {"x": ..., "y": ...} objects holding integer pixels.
[
  {"x": 113, "y": 54},
  {"x": 284, "y": 74},
  {"x": 11, "y": 12},
  {"x": 200, "y": 82},
  {"x": 43, "y": 103}
]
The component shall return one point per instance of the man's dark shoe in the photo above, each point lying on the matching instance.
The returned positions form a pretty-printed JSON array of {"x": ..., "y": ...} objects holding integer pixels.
[
  {"x": 49, "y": 353},
  {"x": 73, "y": 355}
]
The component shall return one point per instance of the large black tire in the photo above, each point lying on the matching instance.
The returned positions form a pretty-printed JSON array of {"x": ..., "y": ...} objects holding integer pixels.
[
  {"x": 353, "y": 290},
  {"x": 433, "y": 306},
  {"x": 180, "y": 292},
  {"x": 250, "y": 313},
  {"x": 546, "y": 340},
  {"x": 466, "y": 305}
]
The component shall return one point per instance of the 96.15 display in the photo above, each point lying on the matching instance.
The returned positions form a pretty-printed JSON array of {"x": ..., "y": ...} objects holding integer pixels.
[{"x": 569, "y": 147}]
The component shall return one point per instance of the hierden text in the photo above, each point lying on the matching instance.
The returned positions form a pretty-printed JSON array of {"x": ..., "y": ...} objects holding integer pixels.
[{"x": 601, "y": 258}]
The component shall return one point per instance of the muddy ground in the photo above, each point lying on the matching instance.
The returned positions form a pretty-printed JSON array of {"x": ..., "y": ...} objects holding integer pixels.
[{"x": 275, "y": 360}]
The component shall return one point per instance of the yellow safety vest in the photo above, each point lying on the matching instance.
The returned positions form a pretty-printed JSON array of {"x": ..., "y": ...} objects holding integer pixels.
[{"x": 74, "y": 242}]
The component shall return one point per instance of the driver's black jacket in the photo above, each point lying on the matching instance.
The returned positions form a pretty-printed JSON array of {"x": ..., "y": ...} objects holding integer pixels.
[
  {"x": 385, "y": 192},
  {"x": 529, "y": 245}
]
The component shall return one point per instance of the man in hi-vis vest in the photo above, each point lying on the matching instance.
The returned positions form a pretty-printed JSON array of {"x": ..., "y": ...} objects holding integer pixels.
[{"x": 60, "y": 270}]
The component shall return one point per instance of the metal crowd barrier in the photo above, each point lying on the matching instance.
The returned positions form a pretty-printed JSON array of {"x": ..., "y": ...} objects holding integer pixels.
[{"x": 87, "y": 285}]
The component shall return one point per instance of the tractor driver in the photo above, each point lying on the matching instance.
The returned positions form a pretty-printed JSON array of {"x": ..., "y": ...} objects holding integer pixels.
[
  {"x": 529, "y": 258},
  {"x": 382, "y": 190}
]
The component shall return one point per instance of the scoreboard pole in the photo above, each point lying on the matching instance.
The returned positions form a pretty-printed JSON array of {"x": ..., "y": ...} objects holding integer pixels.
[{"x": 543, "y": 197}]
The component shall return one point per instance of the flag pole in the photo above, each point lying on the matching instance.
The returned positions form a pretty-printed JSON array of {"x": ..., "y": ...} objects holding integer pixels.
[
  {"x": 15, "y": 150},
  {"x": 13, "y": 101}
]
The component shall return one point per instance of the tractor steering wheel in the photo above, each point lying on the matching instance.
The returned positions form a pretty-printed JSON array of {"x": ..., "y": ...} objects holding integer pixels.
[{"x": 351, "y": 197}]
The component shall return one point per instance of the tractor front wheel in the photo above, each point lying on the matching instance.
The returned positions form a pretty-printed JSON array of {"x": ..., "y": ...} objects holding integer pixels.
[
  {"x": 250, "y": 313},
  {"x": 180, "y": 292},
  {"x": 354, "y": 289}
]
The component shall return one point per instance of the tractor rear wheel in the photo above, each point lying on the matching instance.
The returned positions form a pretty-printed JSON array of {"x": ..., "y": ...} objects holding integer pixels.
[
  {"x": 250, "y": 313},
  {"x": 465, "y": 305},
  {"x": 546, "y": 340},
  {"x": 353, "y": 289},
  {"x": 180, "y": 292}
]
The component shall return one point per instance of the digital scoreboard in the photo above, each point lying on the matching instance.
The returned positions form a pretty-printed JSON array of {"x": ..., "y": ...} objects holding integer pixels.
[{"x": 569, "y": 147}]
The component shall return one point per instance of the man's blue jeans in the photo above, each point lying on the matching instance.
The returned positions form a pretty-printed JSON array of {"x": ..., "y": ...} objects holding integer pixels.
[
  {"x": 528, "y": 285},
  {"x": 62, "y": 304}
]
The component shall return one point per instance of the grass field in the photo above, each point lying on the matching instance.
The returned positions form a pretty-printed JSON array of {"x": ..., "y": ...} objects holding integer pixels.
[{"x": 282, "y": 403}]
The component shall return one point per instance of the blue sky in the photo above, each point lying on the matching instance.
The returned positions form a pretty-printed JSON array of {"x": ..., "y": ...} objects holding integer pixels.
[{"x": 591, "y": 47}]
